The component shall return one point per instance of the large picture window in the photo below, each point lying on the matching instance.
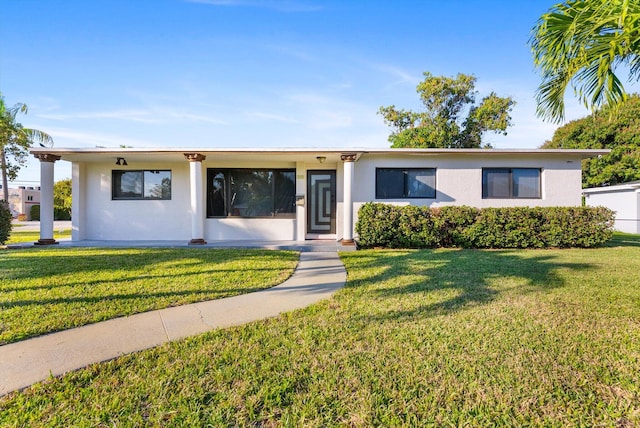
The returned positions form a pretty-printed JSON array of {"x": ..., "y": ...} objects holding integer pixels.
[
  {"x": 402, "y": 183},
  {"x": 251, "y": 192},
  {"x": 511, "y": 183},
  {"x": 141, "y": 184}
]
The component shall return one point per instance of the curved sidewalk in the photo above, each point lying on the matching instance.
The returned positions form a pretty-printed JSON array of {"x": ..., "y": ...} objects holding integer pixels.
[{"x": 317, "y": 276}]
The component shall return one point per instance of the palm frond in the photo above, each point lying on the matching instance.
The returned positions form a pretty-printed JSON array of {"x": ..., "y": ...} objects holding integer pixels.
[{"x": 579, "y": 43}]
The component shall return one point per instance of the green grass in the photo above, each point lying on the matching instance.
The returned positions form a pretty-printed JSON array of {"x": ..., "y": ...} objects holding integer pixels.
[
  {"x": 49, "y": 289},
  {"x": 417, "y": 338},
  {"x": 18, "y": 236}
]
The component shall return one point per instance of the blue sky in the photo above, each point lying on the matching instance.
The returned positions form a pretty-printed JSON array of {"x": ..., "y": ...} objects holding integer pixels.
[{"x": 251, "y": 73}]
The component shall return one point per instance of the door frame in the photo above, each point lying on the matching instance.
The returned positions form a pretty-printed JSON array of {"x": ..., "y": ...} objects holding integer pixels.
[{"x": 319, "y": 234}]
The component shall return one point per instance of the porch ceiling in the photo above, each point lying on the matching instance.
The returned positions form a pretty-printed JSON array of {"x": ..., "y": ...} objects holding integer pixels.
[{"x": 177, "y": 154}]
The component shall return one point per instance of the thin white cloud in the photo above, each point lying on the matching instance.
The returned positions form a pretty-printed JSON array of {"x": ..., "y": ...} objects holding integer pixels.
[
  {"x": 277, "y": 5},
  {"x": 64, "y": 137},
  {"x": 322, "y": 112},
  {"x": 195, "y": 117},
  {"x": 401, "y": 76},
  {"x": 272, "y": 117},
  {"x": 129, "y": 115},
  {"x": 293, "y": 52},
  {"x": 154, "y": 115}
]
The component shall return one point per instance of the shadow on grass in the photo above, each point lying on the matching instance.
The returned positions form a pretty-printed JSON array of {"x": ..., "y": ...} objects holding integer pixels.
[
  {"x": 624, "y": 240},
  {"x": 471, "y": 277},
  {"x": 45, "y": 263},
  {"x": 61, "y": 269}
]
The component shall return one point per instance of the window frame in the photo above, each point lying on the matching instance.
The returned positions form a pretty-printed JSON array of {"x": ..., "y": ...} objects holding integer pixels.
[
  {"x": 405, "y": 190},
  {"x": 227, "y": 196},
  {"x": 142, "y": 197},
  {"x": 512, "y": 187}
]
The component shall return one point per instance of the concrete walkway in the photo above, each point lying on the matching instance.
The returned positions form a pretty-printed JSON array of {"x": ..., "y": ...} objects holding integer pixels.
[{"x": 317, "y": 276}]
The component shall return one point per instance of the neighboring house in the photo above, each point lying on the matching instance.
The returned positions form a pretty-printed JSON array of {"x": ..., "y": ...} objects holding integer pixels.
[
  {"x": 624, "y": 199},
  {"x": 21, "y": 200},
  {"x": 211, "y": 194}
]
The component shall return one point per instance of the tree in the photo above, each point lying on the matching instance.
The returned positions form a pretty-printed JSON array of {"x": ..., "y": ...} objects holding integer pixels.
[
  {"x": 15, "y": 141},
  {"x": 62, "y": 197},
  {"x": 620, "y": 133},
  {"x": 581, "y": 43},
  {"x": 442, "y": 124}
]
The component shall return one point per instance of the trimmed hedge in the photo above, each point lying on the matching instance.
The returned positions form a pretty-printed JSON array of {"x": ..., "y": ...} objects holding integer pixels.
[
  {"x": 35, "y": 212},
  {"x": 58, "y": 213},
  {"x": 383, "y": 225},
  {"x": 61, "y": 214},
  {"x": 5, "y": 221}
]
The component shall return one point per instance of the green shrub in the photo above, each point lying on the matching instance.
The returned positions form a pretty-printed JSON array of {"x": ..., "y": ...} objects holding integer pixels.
[
  {"x": 35, "y": 212},
  {"x": 516, "y": 227},
  {"x": 577, "y": 226},
  {"x": 61, "y": 214},
  {"x": 419, "y": 227},
  {"x": 455, "y": 221},
  {"x": 382, "y": 225},
  {"x": 5, "y": 222}
]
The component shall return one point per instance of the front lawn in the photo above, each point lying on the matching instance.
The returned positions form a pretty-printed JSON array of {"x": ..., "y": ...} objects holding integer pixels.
[
  {"x": 417, "y": 338},
  {"x": 19, "y": 236},
  {"x": 49, "y": 289}
]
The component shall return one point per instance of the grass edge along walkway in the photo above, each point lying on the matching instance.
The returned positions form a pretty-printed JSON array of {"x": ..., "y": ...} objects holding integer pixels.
[{"x": 317, "y": 276}]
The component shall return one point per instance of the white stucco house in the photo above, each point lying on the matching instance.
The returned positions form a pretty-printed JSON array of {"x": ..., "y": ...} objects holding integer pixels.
[
  {"x": 624, "y": 199},
  {"x": 211, "y": 194}
]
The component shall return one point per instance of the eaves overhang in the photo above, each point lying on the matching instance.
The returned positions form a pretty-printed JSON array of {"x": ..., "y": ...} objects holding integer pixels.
[{"x": 175, "y": 154}]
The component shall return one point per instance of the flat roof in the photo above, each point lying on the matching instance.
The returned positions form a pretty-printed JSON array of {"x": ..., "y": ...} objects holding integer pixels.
[
  {"x": 301, "y": 154},
  {"x": 630, "y": 185}
]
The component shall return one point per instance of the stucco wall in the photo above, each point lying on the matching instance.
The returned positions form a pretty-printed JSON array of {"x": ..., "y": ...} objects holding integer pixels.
[
  {"x": 107, "y": 219},
  {"x": 459, "y": 179},
  {"x": 458, "y": 182},
  {"x": 97, "y": 217},
  {"x": 625, "y": 202}
]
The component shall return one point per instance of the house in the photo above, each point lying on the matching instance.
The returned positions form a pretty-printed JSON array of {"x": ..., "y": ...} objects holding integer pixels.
[
  {"x": 624, "y": 199},
  {"x": 21, "y": 200},
  {"x": 209, "y": 194}
]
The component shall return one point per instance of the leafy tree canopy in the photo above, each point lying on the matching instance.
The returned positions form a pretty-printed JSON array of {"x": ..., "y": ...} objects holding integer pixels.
[
  {"x": 451, "y": 119},
  {"x": 15, "y": 141},
  {"x": 62, "y": 195},
  {"x": 601, "y": 130},
  {"x": 581, "y": 43}
]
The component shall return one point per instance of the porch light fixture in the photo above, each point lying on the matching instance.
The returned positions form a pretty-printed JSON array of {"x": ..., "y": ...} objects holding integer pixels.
[
  {"x": 121, "y": 161},
  {"x": 321, "y": 159}
]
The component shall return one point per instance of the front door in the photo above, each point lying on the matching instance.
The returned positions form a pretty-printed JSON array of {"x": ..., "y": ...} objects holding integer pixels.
[{"x": 321, "y": 209}]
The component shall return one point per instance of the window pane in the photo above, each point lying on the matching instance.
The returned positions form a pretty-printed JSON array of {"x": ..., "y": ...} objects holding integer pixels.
[
  {"x": 389, "y": 183},
  {"x": 216, "y": 205},
  {"x": 421, "y": 183},
  {"x": 157, "y": 184},
  {"x": 496, "y": 183},
  {"x": 526, "y": 183},
  {"x": 127, "y": 184},
  {"x": 251, "y": 193},
  {"x": 285, "y": 192}
]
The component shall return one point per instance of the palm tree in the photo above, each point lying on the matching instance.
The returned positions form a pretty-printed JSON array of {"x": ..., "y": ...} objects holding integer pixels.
[
  {"x": 581, "y": 43},
  {"x": 15, "y": 140}
]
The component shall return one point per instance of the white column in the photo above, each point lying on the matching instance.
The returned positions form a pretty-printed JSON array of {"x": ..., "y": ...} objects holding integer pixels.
[
  {"x": 197, "y": 198},
  {"x": 46, "y": 198},
  {"x": 301, "y": 208},
  {"x": 347, "y": 204}
]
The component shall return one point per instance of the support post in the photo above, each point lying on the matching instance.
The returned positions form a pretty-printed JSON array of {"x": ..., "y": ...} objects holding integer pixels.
[
  {"x": 348, "y": 160},
  {"x": 46, "y": 198},
  {"x": 197, "y": 198}
]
